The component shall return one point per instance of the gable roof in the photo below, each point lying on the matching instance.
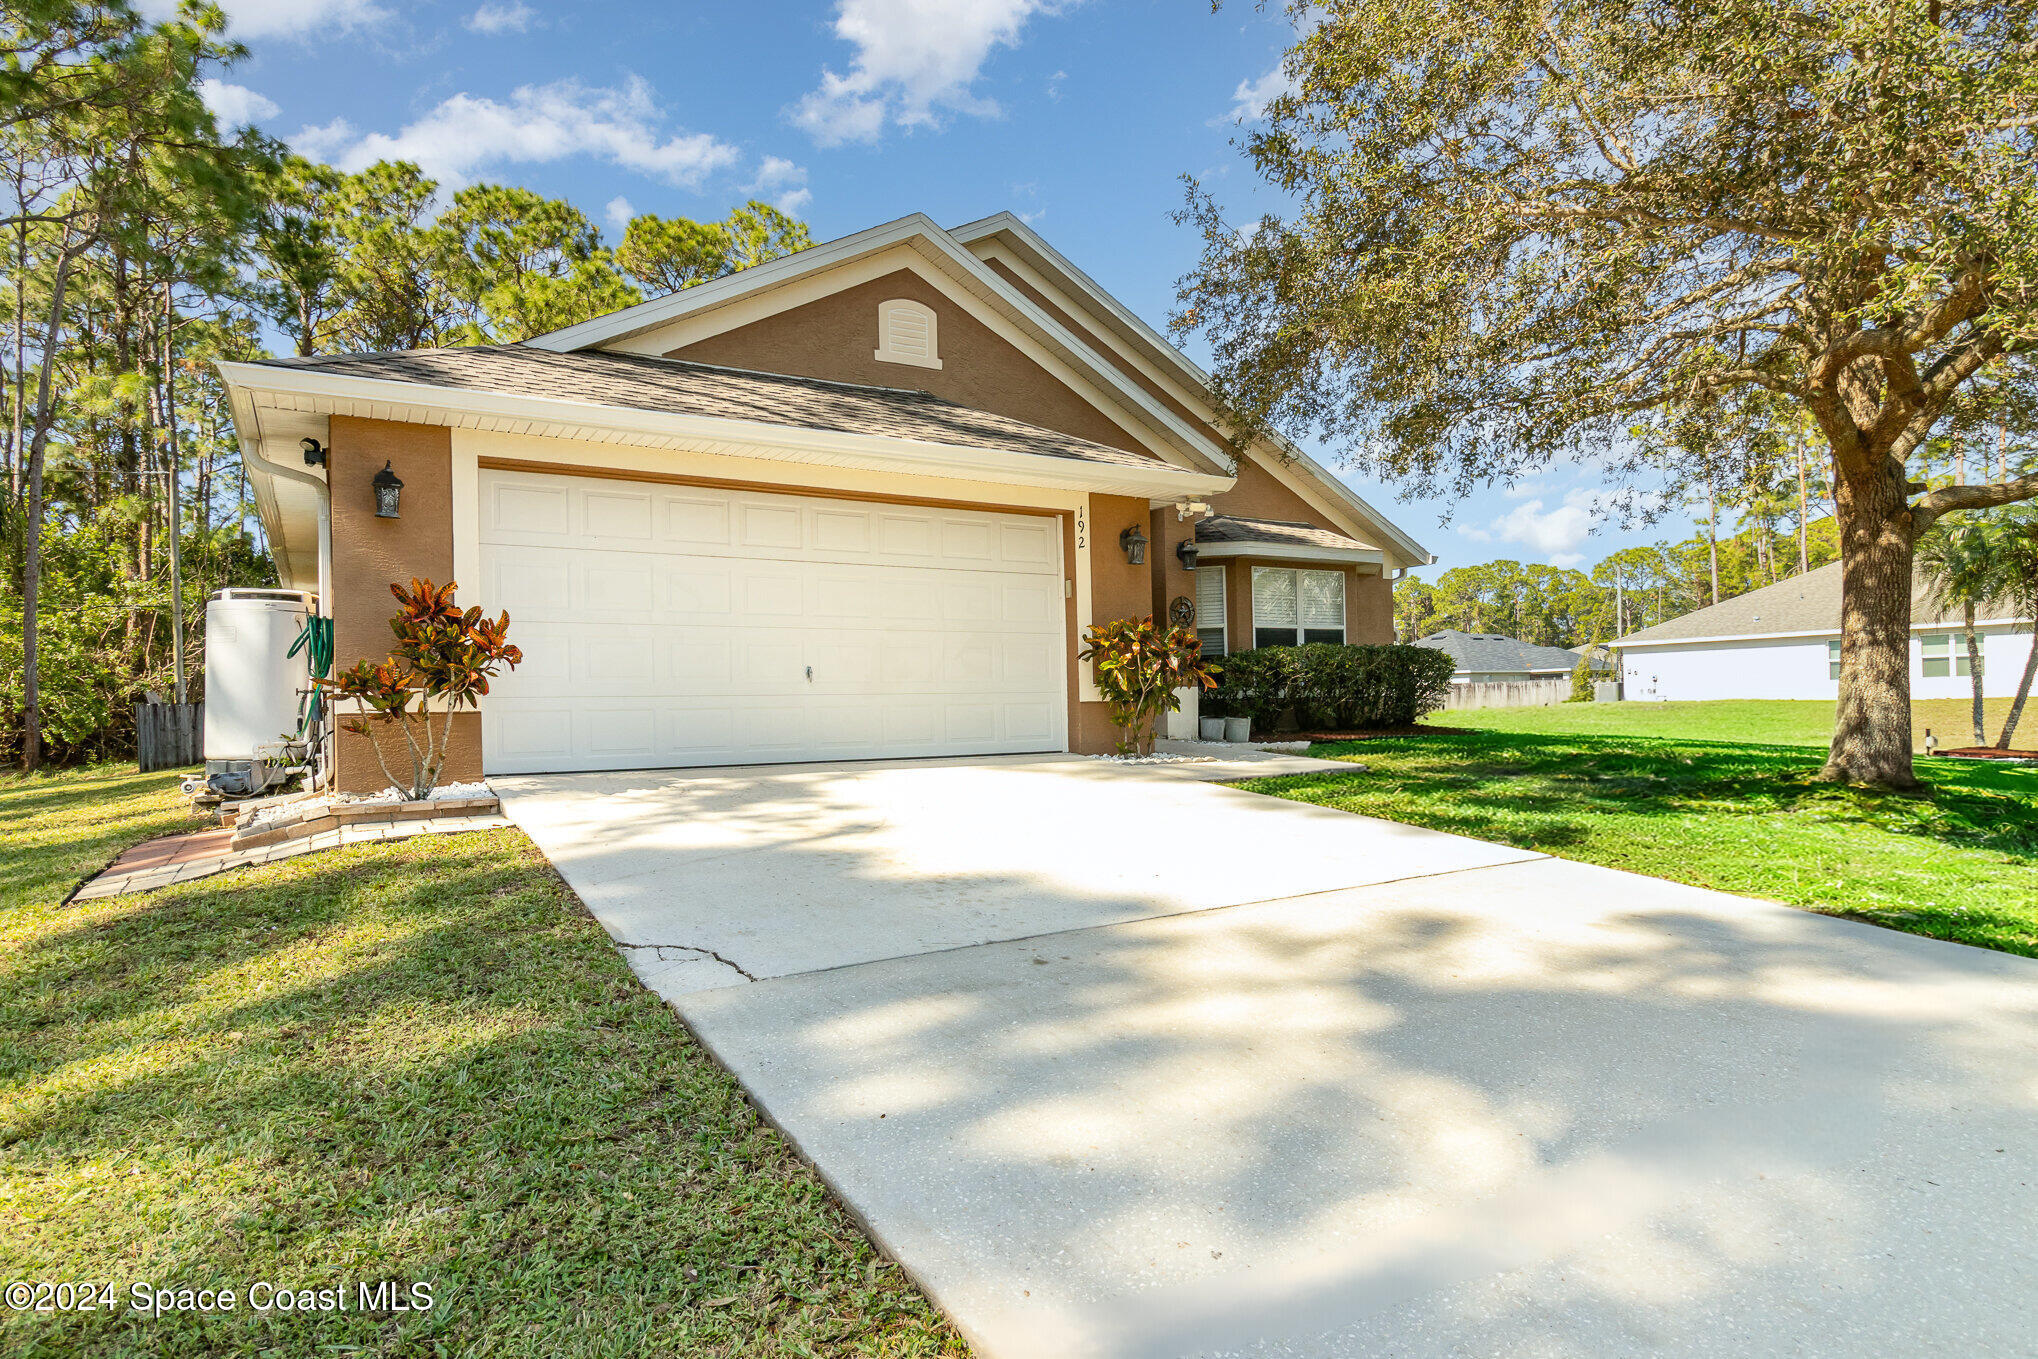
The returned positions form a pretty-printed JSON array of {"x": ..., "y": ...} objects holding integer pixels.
[
  {"x": 1120, "y": 321},
  {"x": 1489, "y": 652},
  {"x": 948, "y": 254},
  {"x": 946, "y": 259},
  {"x": 679, "y": 387},
  {"x": 1806, "y": 605}
]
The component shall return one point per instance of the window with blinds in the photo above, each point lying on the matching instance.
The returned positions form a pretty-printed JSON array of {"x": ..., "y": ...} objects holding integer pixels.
[
  {"x": 1210, "y": 614},
  {"x": 1291, "y": 607}
]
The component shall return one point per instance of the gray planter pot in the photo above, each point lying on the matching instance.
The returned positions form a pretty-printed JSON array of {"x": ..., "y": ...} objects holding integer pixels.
[
  {"x": 1211, "y": 728},
  {"x": 1238, "y": 729}
]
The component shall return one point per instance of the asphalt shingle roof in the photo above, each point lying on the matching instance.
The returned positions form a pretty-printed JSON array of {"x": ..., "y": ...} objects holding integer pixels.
[
  {"x": 1796, "y": 604},
  {"x": 644, "y": 382},
  {"x": 1490, "y": 652},
  {"x": 1228, "y": 528}
]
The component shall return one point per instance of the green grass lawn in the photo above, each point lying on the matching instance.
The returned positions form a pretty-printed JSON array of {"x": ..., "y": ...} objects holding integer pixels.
[
  {"x": 1779, "y": 722},
  {"x": 418, "y": 1061},
  {"x": 1961, "y": 863}
]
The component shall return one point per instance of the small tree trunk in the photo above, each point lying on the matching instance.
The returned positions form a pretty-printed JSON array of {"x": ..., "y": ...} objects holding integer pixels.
[
  {"x": 2023, "y": 693},
  {"x": 1974, "y": 672},
  {"x": 1872, "y": 729},
  {"x": 1712, "y": 536}
]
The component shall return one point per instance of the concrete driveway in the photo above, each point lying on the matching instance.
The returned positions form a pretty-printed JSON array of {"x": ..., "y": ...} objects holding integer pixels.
[{"x": 1285, "y": 1081}]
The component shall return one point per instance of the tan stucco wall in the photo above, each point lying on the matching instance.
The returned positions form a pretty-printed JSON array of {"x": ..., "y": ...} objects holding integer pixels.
[
  {"x": 836, "y": 338},
  {"x": 1118, "y": 589},
  {"x": 371, "y": 554}
]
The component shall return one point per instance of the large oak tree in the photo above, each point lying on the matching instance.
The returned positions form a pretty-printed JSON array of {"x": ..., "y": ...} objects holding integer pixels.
[{"x": 1525, "y": 229}]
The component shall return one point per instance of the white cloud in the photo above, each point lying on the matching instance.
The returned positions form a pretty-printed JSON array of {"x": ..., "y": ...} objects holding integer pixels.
[
  {"x": 1249, "y": 101},
  {"x": 325, "y": 141},
  {"x": 537, "y": 124},
  {"x": 248, "y": 19},
  {"x": 619, "y": 212},
  {"x": 1556, "y": 531},
  {"x": 491, "y": 19},
  {"x": 235, "y": 105},
  {"x": 783, "y": 183},
  {"x": 915, "y": 59}
]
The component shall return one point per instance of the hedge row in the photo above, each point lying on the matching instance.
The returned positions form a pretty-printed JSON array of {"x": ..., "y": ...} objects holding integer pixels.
[{"x": 1332, "y": 688}]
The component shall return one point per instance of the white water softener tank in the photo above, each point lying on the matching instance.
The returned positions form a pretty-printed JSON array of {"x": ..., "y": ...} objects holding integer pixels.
[{"x": 253, "y": 685}]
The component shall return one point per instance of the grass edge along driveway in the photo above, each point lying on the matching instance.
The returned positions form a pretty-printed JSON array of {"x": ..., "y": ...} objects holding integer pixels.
[
  {"x": 1960, "y": 864},
  {"x": 419, "y": 1060}
]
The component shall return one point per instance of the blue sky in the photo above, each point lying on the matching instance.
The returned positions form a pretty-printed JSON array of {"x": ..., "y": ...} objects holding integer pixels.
[{"x": 1082, "y": 117}]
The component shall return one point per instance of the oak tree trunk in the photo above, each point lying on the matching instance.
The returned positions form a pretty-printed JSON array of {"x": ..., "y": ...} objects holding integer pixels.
[{"x": 1872, "y": 730}]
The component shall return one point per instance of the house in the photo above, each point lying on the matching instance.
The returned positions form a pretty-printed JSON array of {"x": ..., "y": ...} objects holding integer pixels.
[
  {"x": 1783, "y": 641},
  {"x": 858, "y": 502},
  {"x": 1489, "y": 658}
]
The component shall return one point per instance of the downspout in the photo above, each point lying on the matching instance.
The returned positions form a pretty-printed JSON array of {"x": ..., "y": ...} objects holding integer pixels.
[{"x": 251, "y": 449}]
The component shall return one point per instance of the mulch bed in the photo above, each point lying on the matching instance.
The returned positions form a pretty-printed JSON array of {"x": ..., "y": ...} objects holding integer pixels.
[
  {"x": 1991, "y": 753},
  {"x": 1376, "y": 734}
]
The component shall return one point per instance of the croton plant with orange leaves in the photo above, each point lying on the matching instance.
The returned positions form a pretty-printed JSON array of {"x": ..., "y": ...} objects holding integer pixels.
[{"x": 443, "y": 658}]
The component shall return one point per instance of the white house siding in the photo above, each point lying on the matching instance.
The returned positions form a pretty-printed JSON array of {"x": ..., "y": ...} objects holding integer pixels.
[{"x": 1798, "y": 668}]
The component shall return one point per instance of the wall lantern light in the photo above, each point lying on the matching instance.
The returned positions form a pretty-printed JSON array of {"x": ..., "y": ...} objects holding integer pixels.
[
  {"x": 1134, "y": 543},
  {"x": 388, "y": 488},
  {"x": 314, "y": 452},
  {"x": 1187, "y": 551}
]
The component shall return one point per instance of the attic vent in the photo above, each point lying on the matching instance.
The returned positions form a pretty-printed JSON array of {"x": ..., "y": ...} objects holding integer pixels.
[{"x": 906, "y": 334}]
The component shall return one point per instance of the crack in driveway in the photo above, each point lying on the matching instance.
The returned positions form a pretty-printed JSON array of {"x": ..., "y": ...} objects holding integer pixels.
[{"x": 659, "y": 951}]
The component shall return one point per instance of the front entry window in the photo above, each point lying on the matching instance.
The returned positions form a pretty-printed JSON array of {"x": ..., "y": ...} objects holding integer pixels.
[{"x": 1292, "y": 607}]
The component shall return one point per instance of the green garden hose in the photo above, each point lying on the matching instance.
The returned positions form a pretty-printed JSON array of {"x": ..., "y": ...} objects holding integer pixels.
[{"x": 317, "y": 641}]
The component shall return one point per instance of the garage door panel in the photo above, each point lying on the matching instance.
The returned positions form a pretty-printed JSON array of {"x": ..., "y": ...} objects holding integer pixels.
[
  {"x": 619, "y": 519},
  {"x": 666, "y": 628},
  {"x": 695, "y": 523}
]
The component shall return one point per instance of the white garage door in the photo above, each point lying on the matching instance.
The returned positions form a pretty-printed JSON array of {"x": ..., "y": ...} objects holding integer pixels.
[{"x": 677, "y": 625}]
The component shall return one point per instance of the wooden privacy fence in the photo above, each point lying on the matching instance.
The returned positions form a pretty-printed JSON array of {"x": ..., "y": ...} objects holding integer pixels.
[
  {"x": 1509, "y": 693},
  {"x": 168, "y": 735}
]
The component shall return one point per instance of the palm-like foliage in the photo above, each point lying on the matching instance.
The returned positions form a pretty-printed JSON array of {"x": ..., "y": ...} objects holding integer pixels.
[
  {"x": 2017, "y": 557},
  {"x": 1965, "y": 564}
]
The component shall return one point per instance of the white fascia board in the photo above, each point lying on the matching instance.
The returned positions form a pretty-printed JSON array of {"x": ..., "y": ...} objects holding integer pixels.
[
  {"x": 1186, "y": 371},
  {"x": 420, "y": 403},
  {"x": 1828, "y": 634},
  {"x": 1365, "y": 556},
  {"x": 931, "y": 239},
  {"x": 660, "y": 311}
]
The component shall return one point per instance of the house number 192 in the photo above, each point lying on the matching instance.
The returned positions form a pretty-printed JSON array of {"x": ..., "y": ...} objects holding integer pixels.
[{"x": 1082, "y": 530}]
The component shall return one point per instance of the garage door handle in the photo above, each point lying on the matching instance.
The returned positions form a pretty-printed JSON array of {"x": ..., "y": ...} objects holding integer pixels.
[{"x": 810, "y": 674}]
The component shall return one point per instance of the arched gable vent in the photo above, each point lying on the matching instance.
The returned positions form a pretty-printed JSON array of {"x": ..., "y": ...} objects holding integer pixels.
[{"x": 906, "y": 333}]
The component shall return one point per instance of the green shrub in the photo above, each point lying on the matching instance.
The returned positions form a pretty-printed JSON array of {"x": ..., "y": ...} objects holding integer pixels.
[
  {"x": 1335, "y": 688},
  {"x": 1581, "y": 681},
  {"x": 1257, "y": 684}
]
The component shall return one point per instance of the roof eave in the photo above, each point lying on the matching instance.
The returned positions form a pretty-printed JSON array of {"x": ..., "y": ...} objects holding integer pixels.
[
  {"x": 421, "y": 403},
  {"x": 1291, "y": 552}
]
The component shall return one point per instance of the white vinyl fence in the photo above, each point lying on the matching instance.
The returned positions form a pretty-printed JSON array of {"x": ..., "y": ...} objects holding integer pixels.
[{"x": 1509, "y": 694}]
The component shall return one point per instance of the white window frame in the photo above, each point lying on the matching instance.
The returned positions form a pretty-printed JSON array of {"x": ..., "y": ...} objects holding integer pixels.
[
  {"x": 887, "y": 314},
  {"x": 1832, "y": 660},
  {"x": 1300, "y": 627},
  {"x": 1222, "y": 625},
  {"x": 1951, "y": 650}
]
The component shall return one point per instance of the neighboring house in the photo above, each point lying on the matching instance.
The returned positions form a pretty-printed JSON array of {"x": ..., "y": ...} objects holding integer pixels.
[
  {"x": 1783, "y": 641},
  {"x": 858, "y": 502},
  {"x": 1489, "y": 658}
]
